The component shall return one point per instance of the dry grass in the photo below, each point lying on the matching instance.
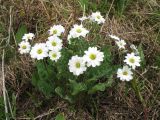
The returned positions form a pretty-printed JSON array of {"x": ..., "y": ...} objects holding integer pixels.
[
  {"x": 120, "y": 103},
  {"x": 1, "y": 81}
]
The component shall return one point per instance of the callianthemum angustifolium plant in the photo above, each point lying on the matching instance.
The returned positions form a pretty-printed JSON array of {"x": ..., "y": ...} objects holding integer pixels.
[{"x": 80, "y": 67}]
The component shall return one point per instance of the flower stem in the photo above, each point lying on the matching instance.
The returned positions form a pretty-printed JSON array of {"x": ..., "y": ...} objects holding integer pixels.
[
  {"x": 140, "y": 97},
  {"x": 137, "y": 91}
]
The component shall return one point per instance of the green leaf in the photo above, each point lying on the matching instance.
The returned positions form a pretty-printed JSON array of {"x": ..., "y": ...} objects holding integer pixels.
[
  {"x": 77, "y": 87},
  {"x": 1, "y": 28},
  {"x": 98, "y": 87},
  {"x": 121, "y": 6},
  {"x": 42, "y": 85},
  {"x": 21, "y": 31},
  {"x": 44, "y": 78},
  {"x": 14, "y": 105},
  {"x": 84, "y": 3},
  {"x": 158, "y": 60},
  {"x": 45, "y": 71},
  {"x": 2, "y": 115},
  {"x": 62, "y": 65},
  {"x": 107, "y": 53},
  {"x": 35, "y": 78},
  {"x": 101, "y": 86},
  {"x": 60, "y": 116},
  {"x": 61, "y": 93},
  {"x": 141, "y": 54},
  {"x": 78, "y": 46}
]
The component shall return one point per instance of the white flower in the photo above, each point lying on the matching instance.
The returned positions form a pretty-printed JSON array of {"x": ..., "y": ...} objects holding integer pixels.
[
  {"x": 134, "y": 48},
  {"x": 77, "y": 31},
  {"x": 125, "y": 74},
  {"x": 39, "y": 51},
  {"x": 77, "y": 65},
  {"x": 56, "y": 30},
  {"x": 132, "y": 60},
  {"x": 97, "y": 17},
  {"x": 121, "y": 44},
  {"x": 54, "y": 43},
  {"x": 83, "y": 18},
  {"x": 114, "y": 37},
  {"x": 28, "y": 36},
  {"x": 24, "y": 47},
  {"x": 93, "y": 57},
  {"x": 54, "y": 55}
]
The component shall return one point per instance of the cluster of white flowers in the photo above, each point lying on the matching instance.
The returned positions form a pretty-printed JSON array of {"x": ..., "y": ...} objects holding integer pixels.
[
  {"x": 92, "y": 57},
  {"x": 52, "y": 47},
  {"x": 49, "y": 49},
  {"x": 94, "y": 17},
  {"x": 24, "y": 46},
  {"x": 80, "y": 31},
  {"x": 54, "y": 43},
  {"x": 125, "y": 73},
  {"x": 132, "y": 60}
]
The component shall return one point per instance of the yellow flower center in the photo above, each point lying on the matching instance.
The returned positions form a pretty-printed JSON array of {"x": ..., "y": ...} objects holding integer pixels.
[
  {"x": 98, "y": 17},
  {"x": 121, "y": 44},
  {"x": 54, "y": 31},
  {"x": 39, "y": 51},
  {"x": 79, "y": 30},
  {"x": 78, "y": 65},
  {"x": 125, "y": 73},
  {"x": 132, "y": 60},
  {"x": 92, "y": 56},
  {"x": 54, "y": 55},
  {"x": 24, "y": 47},
  {"x": 54, "y": 43}
]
